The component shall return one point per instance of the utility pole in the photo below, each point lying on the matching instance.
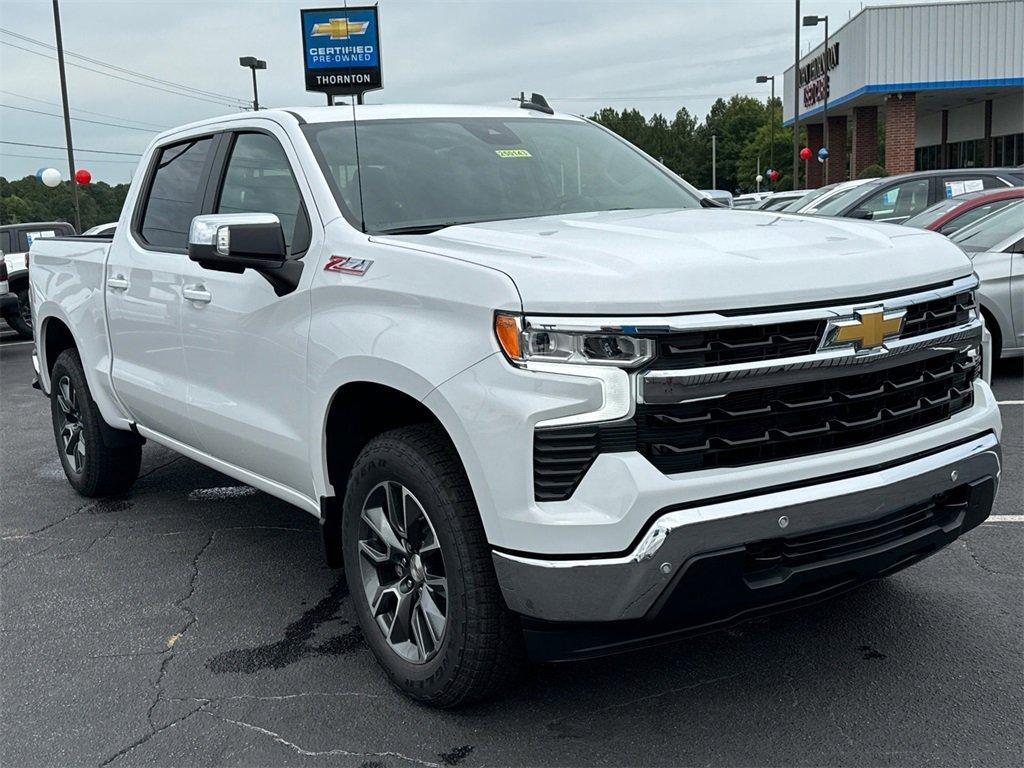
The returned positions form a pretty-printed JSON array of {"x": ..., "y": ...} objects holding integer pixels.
[
  {"x": 67, "y": 116},
  {"x": 796, "y": 101},
  {"x": 813, "y": 21}
]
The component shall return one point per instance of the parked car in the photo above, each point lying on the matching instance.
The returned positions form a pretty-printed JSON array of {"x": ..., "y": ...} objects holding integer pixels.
[
  {"x": 894, "y": 199},
  {"x": 541, "y": 397},
  {"x": 779, "y": 200},
  {"x": 947, "y": 216},
  {"x": 8, "y": 301},
  {"x": 721, "y": 196},
  {"x": 815, "y": 198},
  {"x": 15, "y": 240},
  {"x": 750, "y": 199},
  {"x": 995, "y": 245},
  {"x": 101, "y": 230}
]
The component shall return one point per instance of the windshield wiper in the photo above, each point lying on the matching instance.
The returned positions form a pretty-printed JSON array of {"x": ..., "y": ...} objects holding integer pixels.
[
  {"x": 707, "y": 202},
  {"x": 419, "y": 229}
]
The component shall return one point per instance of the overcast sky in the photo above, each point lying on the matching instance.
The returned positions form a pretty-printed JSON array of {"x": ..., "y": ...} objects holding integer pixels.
[{"x": 654, "y": 56}]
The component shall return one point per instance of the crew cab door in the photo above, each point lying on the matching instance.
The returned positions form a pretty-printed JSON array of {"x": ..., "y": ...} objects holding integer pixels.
[
  {"x": 144, "y": 278},
  {"x": 245, "y": 346}
]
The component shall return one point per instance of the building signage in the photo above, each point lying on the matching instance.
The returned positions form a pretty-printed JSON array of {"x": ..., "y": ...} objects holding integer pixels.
[
  {"x": 814, "y": 75},
  {"x": 341, "y": 50}
]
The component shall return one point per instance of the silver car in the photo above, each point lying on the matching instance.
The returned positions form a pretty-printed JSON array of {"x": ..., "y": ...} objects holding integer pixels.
[{"x": 996, "y": 246}]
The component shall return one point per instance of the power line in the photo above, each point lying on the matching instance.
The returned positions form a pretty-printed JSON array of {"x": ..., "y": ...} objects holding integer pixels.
[
  {"x": 124, "y": 70},
  {"x": 79, "y": 109},
  {"x": 53, "y": 159},
  {"x": 238, "y": 105},
  {"x": 55, "y": 146},
  {"x": 78, "y": 119}
]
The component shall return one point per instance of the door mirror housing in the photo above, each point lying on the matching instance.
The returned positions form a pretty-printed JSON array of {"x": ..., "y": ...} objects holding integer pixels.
[
  {"x": 235, "y": 242},
  {"x": 861, "y": 213}
]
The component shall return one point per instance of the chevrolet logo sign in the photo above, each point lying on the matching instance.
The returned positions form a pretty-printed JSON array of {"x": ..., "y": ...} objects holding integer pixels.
[
  {"x": 867, "y": 330},
  {"x": 340, "y": 29}
]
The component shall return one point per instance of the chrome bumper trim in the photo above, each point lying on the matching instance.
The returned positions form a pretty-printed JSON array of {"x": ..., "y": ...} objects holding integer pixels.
[{"x": 626, "y": 586}]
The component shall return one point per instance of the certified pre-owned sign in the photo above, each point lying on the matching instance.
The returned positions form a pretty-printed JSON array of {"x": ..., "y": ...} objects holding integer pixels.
[{"x": 341, "y": 50}]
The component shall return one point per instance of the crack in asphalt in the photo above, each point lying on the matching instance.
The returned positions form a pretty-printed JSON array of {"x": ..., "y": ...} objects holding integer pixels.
[
  {"x": 143, "y": 739},
  {"x": 279, "y": 697},
  {"x": 974, "y": 558},
  {"x": 321, "y": 753}
]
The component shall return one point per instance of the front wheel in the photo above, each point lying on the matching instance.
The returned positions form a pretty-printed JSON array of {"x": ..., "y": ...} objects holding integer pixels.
[
  {"x": 420, "y": 573},
  {"x": 92, "y": 464}
]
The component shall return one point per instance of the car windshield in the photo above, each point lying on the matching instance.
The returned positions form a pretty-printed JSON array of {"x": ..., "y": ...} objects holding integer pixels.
[
  {"x": 802, "y": 202},
  {"x": 420, "y": 175},
  {"x": 986, "y": 234},
  {"x": 836, "y": 205},
  {"x": 930, "y": 215}
]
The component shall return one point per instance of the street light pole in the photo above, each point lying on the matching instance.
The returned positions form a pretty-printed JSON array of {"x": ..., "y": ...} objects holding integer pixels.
[
  {"x": 771, "y": 113},
  {"x": 253, "y": 63},
  {"x": 813, "y": 21},
  {"x": 67, "y": 115},
  {"x": 714, "y": 161}
]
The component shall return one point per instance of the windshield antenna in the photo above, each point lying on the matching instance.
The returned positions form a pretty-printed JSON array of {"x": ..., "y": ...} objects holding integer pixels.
[{"x": 355, "y": 138}]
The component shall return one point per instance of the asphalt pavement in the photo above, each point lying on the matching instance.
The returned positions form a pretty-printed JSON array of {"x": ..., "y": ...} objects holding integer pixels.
[{"x": 193, "y": 622}]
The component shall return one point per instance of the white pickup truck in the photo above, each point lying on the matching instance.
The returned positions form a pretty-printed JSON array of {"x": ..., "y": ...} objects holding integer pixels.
[{"x": 544, "y": 399}]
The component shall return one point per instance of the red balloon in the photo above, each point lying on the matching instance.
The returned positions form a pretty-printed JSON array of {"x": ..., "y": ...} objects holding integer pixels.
[
  {"x": 82, "y": 176},
  {"x": 805, "y": 154},
  {"x": 773, "y": 175}
]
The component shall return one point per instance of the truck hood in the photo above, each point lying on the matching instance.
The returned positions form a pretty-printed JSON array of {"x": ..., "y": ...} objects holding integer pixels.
[{"x": 667, "y": 262}]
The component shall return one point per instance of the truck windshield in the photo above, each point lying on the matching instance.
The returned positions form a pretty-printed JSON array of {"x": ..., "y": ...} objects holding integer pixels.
[{"x": 421, "y": 175}]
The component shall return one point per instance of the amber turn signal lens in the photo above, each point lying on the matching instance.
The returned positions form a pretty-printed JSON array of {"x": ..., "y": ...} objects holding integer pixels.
[{"x": 506, "y": 328}]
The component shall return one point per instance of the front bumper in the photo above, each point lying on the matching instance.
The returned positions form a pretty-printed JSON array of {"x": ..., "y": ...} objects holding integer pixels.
[{"x": 667, "y": 567}]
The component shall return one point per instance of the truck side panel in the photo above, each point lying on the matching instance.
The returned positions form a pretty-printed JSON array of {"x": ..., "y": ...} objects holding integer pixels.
[{"x": 67, "y": 279}]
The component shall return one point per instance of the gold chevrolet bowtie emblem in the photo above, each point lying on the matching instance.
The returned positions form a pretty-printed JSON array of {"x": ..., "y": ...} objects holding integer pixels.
[
  {"x": 870, "y": 328},
  {"x": 340, "y": 29}
]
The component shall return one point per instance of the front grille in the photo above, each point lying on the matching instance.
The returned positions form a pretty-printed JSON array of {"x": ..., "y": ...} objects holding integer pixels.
[
  {"x": 763, "y": 557},
  {"x": 725, "y": 346},
  {"x": 781, "y": 422}
]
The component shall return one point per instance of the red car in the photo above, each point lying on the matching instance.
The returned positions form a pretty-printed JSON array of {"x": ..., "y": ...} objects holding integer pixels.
[{"x": 947, "y": 216}]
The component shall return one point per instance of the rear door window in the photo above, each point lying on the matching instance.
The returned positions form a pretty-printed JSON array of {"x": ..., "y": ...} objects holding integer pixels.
[
  {"x": 898, "y": 203},
  {"x": 175, "y": 194}
]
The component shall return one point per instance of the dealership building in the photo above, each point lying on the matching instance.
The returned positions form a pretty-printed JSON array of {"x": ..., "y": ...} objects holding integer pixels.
[{"x": 944, "y": 81}]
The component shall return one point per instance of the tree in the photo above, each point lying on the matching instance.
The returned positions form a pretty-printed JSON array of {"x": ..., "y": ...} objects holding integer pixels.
[
  {"x": 24, "y": 200},
  {"x": 760, "y": 147}
]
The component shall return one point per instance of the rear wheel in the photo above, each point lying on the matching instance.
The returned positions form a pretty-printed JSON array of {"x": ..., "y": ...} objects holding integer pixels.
[
  {"x": 420, "y": 573},
  {"x": 95, "y": 463},
  {"x": 21, "y": 322}
]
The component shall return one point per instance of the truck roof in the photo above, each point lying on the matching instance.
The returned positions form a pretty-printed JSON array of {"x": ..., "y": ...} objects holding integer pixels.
[{"x": 343, "y": 113}]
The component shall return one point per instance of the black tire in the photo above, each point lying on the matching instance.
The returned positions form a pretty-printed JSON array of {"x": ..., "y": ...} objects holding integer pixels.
[
  {"x": 480, "y": 651},
  {"x": 108, "y": 462},
  {"x": 21, "y": 322}
]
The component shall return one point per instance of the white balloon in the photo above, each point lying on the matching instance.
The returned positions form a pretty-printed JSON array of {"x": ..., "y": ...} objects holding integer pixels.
[
  {"x": 759, "y": 178},
  {"x": 50, "y": 177}
]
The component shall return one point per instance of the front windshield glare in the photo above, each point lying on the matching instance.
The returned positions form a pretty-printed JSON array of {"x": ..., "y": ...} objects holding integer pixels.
[
  {"x": 988, "y": 233},
  {"x": 421, "y": 175}
]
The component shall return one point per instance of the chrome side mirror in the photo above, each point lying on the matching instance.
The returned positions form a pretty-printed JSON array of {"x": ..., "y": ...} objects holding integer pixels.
[{"x": 235, "y": 242}]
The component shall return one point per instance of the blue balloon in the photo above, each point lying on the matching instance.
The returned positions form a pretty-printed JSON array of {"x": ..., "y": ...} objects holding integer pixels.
[
  {"x": 823, "y": 153},
  {"x": 39, "y": 174}
]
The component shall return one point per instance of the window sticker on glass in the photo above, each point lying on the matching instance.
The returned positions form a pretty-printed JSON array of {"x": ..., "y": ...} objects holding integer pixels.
[
  {"x": 891, "y": 195},
  {"x": 955, "y": 188},
  {"x": 30, "y": 236},
  {"x": 513, "y": 153},
  {"x": 974, "y": 185}
]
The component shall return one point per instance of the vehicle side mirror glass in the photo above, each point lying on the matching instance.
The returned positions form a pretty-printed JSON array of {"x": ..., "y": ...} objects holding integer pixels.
[
  {"x": 861, "y": 213},
  {"x": 235, "y": 242}
]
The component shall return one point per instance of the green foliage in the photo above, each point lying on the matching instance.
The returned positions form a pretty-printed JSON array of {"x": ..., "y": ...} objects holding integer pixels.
[
  {"x": 743, "y": 133},
  {"x": 872, "y": 172},
  {"x": 28, "y": 199}
]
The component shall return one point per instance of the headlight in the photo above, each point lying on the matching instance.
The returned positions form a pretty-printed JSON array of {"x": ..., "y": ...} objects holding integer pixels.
[{"x": 524, "y": 343}]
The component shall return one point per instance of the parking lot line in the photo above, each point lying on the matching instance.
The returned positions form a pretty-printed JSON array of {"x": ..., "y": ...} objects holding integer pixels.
[
  {"x": 1005, "y": 519},
  {"x": 1009, "y": 402}
]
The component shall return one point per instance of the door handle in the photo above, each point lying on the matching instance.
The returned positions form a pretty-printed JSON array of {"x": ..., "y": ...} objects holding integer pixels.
[
  {"x": 117, "y": 283},
  {"x": 197, "y": 293}
]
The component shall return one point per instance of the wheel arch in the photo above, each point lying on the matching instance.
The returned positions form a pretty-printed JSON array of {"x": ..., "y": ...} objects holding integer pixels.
[{"x": 994, "y": 323}]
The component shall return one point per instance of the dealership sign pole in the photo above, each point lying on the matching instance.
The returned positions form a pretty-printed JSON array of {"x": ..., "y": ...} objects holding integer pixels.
[{"x": 341, "y": 51}]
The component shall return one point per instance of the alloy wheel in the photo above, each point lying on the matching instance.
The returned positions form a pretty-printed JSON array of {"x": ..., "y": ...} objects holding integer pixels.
[
  {"x": 71, "y": 432},
  {"x": 403, "y": 572}
]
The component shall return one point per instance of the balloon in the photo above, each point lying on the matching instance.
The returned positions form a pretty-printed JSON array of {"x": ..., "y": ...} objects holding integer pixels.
[
  {"x": 50, "y": 177},
  {"x": 759, "y": 178},
  {"x": 773, "y": 175},
  {"x": 39, "y": 174},
  {"x": 822, "y": 153},
  {"x": 805, "y": 153},
  {"x": 82, "y": 176}
]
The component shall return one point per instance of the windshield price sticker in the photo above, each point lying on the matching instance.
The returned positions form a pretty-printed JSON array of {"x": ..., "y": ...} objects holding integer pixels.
[{"x": 512, "y": 153}]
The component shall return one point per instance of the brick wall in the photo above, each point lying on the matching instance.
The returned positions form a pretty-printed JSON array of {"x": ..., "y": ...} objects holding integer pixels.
[
  {"x": 812, "y": 168},
  {"x": 865, "y": 139},
  {"x": 900, "y": 132},
  {"x": 836, "y": 148}
]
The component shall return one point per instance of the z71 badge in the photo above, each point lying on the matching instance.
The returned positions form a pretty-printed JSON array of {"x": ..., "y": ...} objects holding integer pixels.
[{"x": 347, "y": 265}]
